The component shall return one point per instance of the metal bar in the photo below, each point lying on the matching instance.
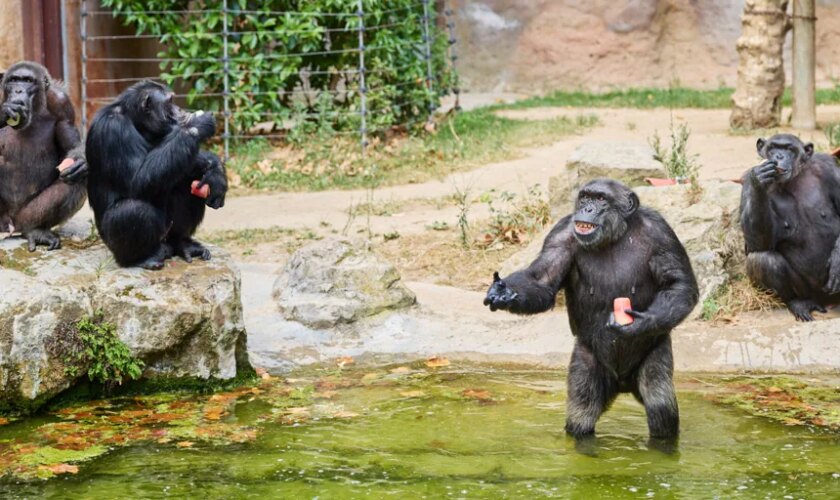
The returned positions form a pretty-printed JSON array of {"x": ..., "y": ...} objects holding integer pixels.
[
  {"x": 804, "y": 107},
  {"x": 427, "y": 37},
  {"x": 84, "y": 14},
  {"x": 453, "y": 55},
  {"x": 362, "y": 89},
  {"x": 227, "y": 79}
]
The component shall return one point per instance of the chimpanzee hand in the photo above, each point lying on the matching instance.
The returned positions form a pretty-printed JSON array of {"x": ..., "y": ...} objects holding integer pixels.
[
  {"x": 218, "y": 188},
  {"x": 10, "y": 110},
  {"x": 75, "y": 173},
  {"x": 765, "y": 174},
  {"x": 500, "y": 296},
  {"x": 641, "y": 323},
  {"x": 200, "y": 125}
]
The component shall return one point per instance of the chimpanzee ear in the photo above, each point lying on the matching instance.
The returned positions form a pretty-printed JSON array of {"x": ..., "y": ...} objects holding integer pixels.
[
  {"x": 759, "y": 146},
  {"x": 46, "y": 83},
  {"x": 809, "y": 150},
  {"x": 145, "y": 101},
  {"x": 632, "y": 204}
]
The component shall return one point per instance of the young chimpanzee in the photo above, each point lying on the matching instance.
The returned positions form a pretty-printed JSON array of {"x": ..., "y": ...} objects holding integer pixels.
[
  {"x": 144, "y": 154},
  {"x": 790, "y": 214},
  {"x": 42, "y": 162},
  {"x": 610, "y": 248}
]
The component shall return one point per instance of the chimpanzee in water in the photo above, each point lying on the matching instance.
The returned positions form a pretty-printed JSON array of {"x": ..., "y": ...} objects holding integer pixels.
[
  {"x": 790, "y": 215},
  {"x": 610, "y": 248},
  {"x": 42, "y": 162},
  {"x": 145, "y": 160}
]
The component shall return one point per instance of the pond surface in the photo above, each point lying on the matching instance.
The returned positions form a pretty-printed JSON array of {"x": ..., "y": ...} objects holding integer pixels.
[{"x": 406, "y": 432}]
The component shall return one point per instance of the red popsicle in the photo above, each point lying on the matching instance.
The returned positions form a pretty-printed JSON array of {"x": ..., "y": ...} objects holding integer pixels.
[
  {"x": 202, "y": 192},
  {"x": 619, "y": 306}
]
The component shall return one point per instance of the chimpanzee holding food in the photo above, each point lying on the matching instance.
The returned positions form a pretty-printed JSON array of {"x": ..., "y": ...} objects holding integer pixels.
[
  {"x": 790, "y": 215},
  {"x": 628, "y": 282},
  {"x": 149, "y": 180},
  {"x": 42, "y": 162}
]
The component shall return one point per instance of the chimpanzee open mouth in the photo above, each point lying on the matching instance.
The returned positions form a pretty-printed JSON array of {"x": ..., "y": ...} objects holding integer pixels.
[{"x": 585, "y": 227}]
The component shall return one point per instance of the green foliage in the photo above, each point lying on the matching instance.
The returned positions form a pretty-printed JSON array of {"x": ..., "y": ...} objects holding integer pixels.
[
  {"x": 299, "y": 68},
  {"x": 832, "y": 133},
  {"x": 678, "y": 163},
  {"x": 515, "y": 220},
  {"x": 108, "y": 359}
]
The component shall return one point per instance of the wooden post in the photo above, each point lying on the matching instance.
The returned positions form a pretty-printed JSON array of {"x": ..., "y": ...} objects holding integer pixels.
[{"x": 804, "y": 103}]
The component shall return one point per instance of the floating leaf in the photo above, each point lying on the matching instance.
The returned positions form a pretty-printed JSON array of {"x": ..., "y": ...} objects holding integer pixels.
[
  {"x": 184, "y": 444},
  {"x": 412, "y": 394},
  {"x": 60, "y": 468},
  {"x": 344, "y": 361},
  {"x": 437, "y": 362},
  {"x": 4, "y": 421},
  {"x": 479, "y": 394},
  {"x": 400, "y": 370}
]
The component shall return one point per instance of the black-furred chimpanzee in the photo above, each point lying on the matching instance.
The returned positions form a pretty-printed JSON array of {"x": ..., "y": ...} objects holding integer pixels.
[
  {"x": 610, "y": 248},
  {"x": 144, "y": 154},
  {"x": 790, "y": 214},
  {"x": 37, "y": 137}
]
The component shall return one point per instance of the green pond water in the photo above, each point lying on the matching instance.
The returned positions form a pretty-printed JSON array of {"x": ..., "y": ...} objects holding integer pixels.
[{"x": 481, "y": 433}]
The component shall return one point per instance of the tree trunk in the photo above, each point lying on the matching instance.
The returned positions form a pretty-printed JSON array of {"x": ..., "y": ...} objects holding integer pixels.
[
  {"x": 804, "y": 103},
  {"x": 757, "y": 101}
]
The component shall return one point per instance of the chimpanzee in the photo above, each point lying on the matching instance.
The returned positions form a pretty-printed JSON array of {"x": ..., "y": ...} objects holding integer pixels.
[
  {"x": 790, "y": 215},
  {"x": 42, "y": 162},
  {"x": 610, "y": 248},
  {"x": 145, "y": 161}
]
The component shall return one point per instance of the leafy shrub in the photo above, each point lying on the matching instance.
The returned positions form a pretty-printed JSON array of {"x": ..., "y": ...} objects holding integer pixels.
[
  {"x": 295, "y": 62},
  {"x": 108, "y": 359}
]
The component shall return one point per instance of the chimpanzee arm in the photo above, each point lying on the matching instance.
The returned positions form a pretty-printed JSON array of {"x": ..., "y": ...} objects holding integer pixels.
[
  {"x": 677, "y": 288},
  {"x": 533, "y": 289},
  {"x": 67, "y": 136},
  {"x": 756, "y": 215},
  {"x": 673, "y": 277},
  {"x": 831, "y": 184},
  {"x": 140, "y": 169}
]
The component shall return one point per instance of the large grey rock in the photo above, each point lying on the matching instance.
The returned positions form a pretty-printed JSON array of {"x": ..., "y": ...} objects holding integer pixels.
[
  {"x": 708, "y": 229},
  {"x": 336, "y": 281},
  {"x": 628, "y": 162},
  {"x": 182, "y": 321}
]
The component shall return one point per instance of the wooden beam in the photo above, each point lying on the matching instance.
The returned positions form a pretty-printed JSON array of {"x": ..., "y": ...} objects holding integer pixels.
[{"x": 804, "y": 63}]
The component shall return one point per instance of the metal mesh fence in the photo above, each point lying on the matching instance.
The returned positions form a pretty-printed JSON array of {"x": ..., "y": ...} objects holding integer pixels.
[{"x": 360, "y": 69}]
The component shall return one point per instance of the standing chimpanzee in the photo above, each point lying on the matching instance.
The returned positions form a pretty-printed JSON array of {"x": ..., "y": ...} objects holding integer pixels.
[
  {"x": 790, "y": 214},
  {"x": 610, "y": 248},
  {"x": 42, "y": 165},
  {"x": 144, "y": 154}
]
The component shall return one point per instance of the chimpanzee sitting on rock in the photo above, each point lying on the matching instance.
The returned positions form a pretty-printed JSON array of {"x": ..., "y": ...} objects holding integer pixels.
[
  {"x": 42, "y": 162},
  {"x": 790, "y": 214},
  {"x": 149, "y": 180},
  {"x": 611, "y": 248}
]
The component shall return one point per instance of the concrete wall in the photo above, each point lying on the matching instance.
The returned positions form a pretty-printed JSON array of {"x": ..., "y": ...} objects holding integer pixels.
[{"x": 11, "y": 36}]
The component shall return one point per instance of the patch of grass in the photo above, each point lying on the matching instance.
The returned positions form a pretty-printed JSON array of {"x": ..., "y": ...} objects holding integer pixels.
[
  {"x": 784, "y": 399},
  {"x": 649, "y": 98},
  {"x": 462, "y": 141},
  {"x": 515, "y": 220},
  {"x": 679, "y": 164},
  {"x": 832, "y": 134}
]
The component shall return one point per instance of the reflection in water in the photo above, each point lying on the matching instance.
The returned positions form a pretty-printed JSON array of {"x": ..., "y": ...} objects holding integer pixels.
[{"x": 408, "y": 433}]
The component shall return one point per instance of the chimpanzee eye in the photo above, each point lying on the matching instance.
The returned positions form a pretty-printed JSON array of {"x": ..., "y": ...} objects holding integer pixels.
[{"x": 600, "y": 197}]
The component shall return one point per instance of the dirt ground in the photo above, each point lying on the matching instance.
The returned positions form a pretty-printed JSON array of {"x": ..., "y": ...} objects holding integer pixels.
[{"x": 411, "y": 209}]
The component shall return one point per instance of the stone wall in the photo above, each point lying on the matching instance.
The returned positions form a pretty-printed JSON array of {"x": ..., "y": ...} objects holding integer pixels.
[{"x": 11, "y": 36}]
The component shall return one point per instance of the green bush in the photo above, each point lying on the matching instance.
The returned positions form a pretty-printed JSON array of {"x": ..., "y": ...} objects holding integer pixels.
[
  {"x": 278, "y": 47},
  {"x": 108, "y": 359}
]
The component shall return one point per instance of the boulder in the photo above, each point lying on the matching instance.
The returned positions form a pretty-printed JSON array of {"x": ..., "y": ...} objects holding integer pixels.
[
  {"x": 708, "y": 229},
  {"x": 628, "y": 162},
  {"x": 182, "y": 321},
  {"x": 335, "y": 281}
]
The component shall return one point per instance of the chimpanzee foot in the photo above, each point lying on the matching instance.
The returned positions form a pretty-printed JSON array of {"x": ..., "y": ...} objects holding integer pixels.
[
  {"x": 802, "y": 309},
  {"x": 158, "y": 259},
  {"x": 43, "y": 237},
  {"x": 188, "y": 248}
]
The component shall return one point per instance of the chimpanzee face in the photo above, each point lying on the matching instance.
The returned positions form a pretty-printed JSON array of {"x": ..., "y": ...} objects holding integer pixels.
[
  {"x": 20, "y": 87},
  {"x": 601, "y": 211},
  {"x": 159, "y": 113},
  {"x": 787, "y": 152}
]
